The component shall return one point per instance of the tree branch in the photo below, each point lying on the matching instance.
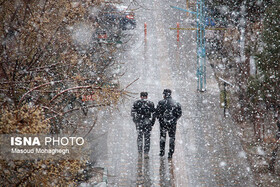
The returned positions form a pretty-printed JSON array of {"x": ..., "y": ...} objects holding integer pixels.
[
  {"x": 35, "y": 88},
  {"x": 75, "y": 88}
]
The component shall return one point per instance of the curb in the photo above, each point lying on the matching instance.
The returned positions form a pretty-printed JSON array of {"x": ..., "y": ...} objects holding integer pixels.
[
  {"x": 104, "y": 182},
  {"x": 104, "y": 179},
  {"x": 105, "y": 175}
]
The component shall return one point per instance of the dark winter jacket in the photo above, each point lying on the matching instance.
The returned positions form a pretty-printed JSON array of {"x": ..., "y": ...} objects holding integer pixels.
[
  {"x": 143, "y": 110},
  {"x": 168, "y": 111}
]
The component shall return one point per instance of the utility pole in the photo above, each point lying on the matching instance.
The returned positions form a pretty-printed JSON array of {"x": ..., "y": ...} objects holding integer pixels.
[
  {"x": 200, "y": 39},
  {"x": 187, "y": 5}
]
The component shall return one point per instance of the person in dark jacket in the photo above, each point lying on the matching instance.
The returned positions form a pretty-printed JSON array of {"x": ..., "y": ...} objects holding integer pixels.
[
  {"x": 168, "y": 112},
  {"x": 142, "y": 113}
]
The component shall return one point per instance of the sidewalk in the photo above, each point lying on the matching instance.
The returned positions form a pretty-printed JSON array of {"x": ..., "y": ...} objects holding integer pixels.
[{"x": 207, "y": 152}]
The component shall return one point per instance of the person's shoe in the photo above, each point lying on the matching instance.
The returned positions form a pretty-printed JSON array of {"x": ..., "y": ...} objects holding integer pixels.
[
  {"x": 169, "y": 156},
  {"x": 161, "y": 154}
]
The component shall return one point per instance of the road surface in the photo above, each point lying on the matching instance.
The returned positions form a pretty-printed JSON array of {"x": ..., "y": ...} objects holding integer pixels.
[{"x": 208, "y": 151}]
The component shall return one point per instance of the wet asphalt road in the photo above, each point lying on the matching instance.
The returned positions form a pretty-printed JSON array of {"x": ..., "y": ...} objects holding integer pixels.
[{"x": 208, "y": 151}]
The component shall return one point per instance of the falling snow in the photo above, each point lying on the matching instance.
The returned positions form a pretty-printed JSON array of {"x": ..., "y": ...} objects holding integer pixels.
[{"x": 82, "y": 65}]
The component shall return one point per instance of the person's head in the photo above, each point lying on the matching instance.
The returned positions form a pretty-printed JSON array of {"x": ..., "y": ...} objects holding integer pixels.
[
  {"x": 166, "y": 93},
  {"x": 144, "y": 95}
]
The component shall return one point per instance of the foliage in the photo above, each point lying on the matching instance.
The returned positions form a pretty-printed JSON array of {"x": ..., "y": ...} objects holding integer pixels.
[
  {"x": 31, "y": 120},
  {"x": 43, "y": 61},
  {"x": 40, "y": 173},
  {"x": 44, "y": 72},
  {"x": 268, "y": 57},
  {"x": 232, "y": 10},
  {"x": 254, "y": 87},
  {"x": 26, "y": 120}
]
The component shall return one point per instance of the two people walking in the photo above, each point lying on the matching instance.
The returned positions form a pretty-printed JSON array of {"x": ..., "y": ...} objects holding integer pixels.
[{"x": 144, "y": 115}]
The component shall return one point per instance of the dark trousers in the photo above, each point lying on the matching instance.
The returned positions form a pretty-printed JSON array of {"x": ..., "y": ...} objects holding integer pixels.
[
  {"x": 171, "y": 129},
  {"x": 144, "y": 134}
]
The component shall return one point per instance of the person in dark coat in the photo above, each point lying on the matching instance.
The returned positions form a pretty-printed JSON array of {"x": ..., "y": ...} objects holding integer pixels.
[
  {"x": 142, "y": 113},
  {"x": 168, "y": 112}
]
